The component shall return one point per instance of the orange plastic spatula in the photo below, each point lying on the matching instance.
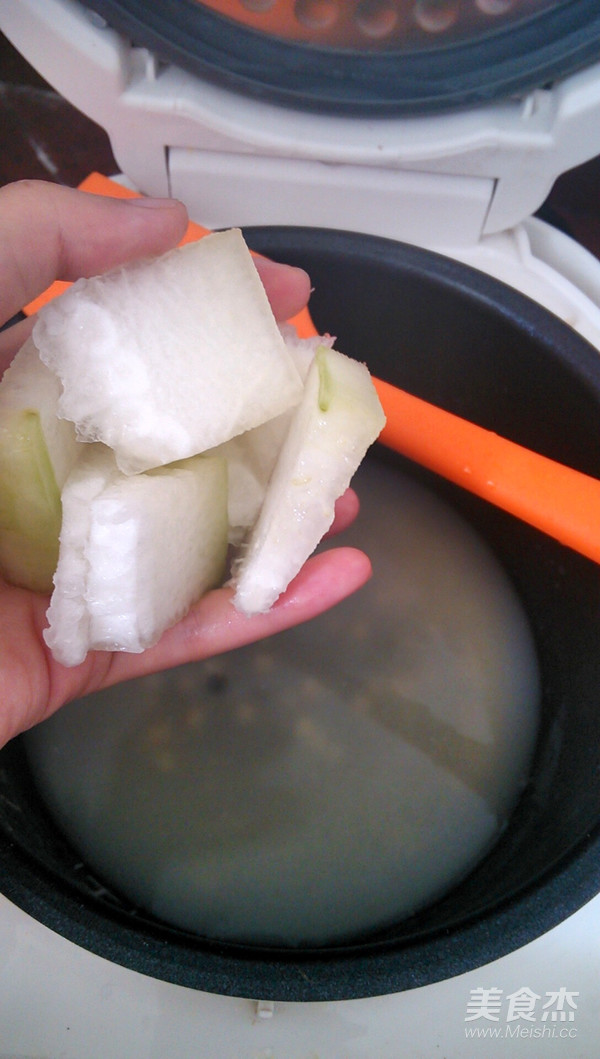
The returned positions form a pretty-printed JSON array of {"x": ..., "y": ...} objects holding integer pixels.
[{"x": 558, "y": 500}]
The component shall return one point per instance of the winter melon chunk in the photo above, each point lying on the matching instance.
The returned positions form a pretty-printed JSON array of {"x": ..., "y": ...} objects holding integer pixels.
[
  {"x": 135, "y": 552},
  {"x": 338, "y": 419},
  {"x": 163, "y": 359},
  {"x": 251, "y": 456}
]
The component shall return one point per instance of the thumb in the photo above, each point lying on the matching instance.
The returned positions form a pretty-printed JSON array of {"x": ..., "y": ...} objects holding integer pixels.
[{"x": 50, "y": 232}]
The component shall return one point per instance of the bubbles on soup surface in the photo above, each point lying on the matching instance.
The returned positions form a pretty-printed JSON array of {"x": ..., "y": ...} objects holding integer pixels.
[{"x": 326, "y": 782}]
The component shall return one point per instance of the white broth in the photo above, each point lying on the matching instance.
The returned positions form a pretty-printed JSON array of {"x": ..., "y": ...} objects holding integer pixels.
[{"x": 326, "y": 782}]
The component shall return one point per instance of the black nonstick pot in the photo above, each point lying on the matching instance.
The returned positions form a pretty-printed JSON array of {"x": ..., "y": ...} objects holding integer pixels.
[{"x": 472, "y": 345}]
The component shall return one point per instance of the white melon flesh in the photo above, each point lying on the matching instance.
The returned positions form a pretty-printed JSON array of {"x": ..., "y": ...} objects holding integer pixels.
[
  {"x": 338, "y": 419},
  {"x": 37, "y": 451},
  {"x": 303, "y": 349},
  {"x": 250, "y": 460},
  {"x": 252, "y": 456},
  {"x": 135, "y": 552},
  {"x": 166, "y": 358}
]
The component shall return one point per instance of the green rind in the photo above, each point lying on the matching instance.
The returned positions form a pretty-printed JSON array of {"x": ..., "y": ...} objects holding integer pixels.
[
  {"x": 30, "y": 506},
  {"x": 326, "y": 386}
]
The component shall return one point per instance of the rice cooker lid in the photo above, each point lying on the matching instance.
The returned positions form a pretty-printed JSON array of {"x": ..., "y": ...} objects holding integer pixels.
[
  {"x": 367, "y": 56},
  {"x": 432, "y": 122}
]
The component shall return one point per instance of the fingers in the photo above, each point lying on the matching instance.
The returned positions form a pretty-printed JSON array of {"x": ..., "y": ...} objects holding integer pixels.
[
  {"x": 346, "y": 510},
  {"x": 288, "y": 288},
  {"x": 50, "y": 232},
  {"x": 36, "y": 686},
  {"x": 214, "y": 626}
]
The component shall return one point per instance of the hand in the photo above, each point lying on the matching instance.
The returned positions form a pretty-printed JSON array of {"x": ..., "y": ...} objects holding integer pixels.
[{"x": 49, "y": 232}]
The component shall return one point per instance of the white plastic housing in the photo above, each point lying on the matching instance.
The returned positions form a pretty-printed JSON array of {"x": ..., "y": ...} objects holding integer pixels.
[{"x": 441, "y": 181}]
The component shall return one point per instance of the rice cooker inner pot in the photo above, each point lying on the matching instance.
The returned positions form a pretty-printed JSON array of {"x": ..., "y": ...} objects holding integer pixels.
[{"x": 474, "y": 346}]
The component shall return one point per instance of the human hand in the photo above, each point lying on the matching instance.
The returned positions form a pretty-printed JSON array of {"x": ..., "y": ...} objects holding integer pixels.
[{"x": 49, "y": 232}]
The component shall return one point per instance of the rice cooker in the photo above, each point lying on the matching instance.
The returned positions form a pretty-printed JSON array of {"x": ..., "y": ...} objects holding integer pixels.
[{"x": 402, "y": 147}]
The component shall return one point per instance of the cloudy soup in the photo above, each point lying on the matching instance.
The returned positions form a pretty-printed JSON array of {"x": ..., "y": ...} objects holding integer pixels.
[{"x": 328, "y": 781}]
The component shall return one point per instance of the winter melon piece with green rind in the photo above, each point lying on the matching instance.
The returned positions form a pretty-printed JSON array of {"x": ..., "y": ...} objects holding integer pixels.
[
  {"x": 339, "y": 417},
  {"x": 251, "y": 456}
]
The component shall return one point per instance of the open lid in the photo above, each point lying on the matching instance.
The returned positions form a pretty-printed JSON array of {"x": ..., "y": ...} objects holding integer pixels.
[
  {"x": 367, "y": 56},
  {"x": 436, "y": 122}
]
